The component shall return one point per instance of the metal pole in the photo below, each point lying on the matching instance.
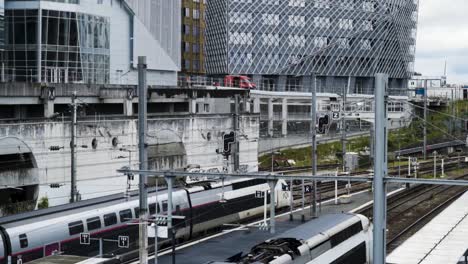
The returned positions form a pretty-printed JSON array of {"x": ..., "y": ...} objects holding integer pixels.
[
  {"x": 100, "y": 247},
  {"x": 142, "y": 89},
  {"x": 452, "y": 124},
  {"x": 73, "y": 149},
  {"x": 236, "y": 132},
  {"x": 425, "y": 120},
  {"x": 156, "y": 227},
  {"x": 314, "y": 143},
  {"x": 272, "y": 156},
  {"x": 343, "y": 129},
  {"x": 409, "y": 167},
  {"x": 435, "y": 164},
  {"x": 380, "y": 168},
  {"x": 442, "y": 168},
  {"x": 302, "y": 201},
  {"x": 372, "y": 143},
  {"x": 336, "y": 188},
  {"x": 399, "y": 167},
  {"x": 272, "y": 207},
  {"x": 291, "y": 200},
  {"x": 169, "y": 216},
  {"x": 265, "y": 204}
]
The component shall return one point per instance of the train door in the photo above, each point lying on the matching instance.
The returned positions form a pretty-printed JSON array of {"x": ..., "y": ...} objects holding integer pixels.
[{"x": 51, "y": 249}]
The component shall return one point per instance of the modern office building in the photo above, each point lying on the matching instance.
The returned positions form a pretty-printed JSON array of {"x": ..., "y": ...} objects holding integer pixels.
[
  {"x": 280, "y": 43},
  {"x": 193, "y": 37},
  {"x": 87, "y": 41}
]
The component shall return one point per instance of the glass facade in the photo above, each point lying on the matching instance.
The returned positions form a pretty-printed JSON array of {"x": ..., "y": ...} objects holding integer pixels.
[
  {"x": 334, "y": 39},
  {"x": 74, "y": 47}
]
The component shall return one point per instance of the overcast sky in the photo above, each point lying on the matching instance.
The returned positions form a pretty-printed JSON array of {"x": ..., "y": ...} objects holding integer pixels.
[{"x": 443, "y": 35}]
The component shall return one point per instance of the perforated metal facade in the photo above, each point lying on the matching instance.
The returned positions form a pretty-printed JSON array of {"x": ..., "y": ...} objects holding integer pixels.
[{"x": 344, "y": 42}]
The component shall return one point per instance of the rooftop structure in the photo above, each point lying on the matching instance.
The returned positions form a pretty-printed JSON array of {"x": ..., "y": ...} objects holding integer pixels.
[{"x": 343, "y": 42}]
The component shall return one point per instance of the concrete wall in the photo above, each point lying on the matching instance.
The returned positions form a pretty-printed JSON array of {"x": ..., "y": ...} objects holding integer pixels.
[{"x": 97, "y": 176}]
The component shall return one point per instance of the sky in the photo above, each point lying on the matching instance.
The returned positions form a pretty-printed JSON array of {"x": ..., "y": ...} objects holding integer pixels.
[{"x": 443, "y": 36}]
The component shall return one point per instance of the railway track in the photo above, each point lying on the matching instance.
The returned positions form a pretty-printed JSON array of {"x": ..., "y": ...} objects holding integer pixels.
[{"x": 408, "y": 211}]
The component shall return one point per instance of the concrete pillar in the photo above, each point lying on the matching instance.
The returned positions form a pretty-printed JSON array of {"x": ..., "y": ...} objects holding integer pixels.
[
  {"x": 48, "y": 108},
  {"x": 128, "y": 107},
  {"x": 192, "y": 106},
  {"x": 256, "y": 105},
  {"x": 247, "y": 105},
  {"x": 270, "y": 117},
  {"x": 281, "y": 87},
  {"x": 284, "y": 118}
]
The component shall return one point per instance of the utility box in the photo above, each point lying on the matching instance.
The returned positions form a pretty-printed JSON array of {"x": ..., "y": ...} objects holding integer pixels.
[{"x": 351, "y": 161}]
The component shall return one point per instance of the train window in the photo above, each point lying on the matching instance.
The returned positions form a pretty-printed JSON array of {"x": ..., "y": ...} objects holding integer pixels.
[
  {"x": 346, "y": 233},
  {"x": 125, "y": 215},
  {"x": 164, "y": 206},
  {"x": 356, "y": 255},
  {"x": 110, "y": 219},
  {"x": 75, "y": 228},
  {"x": 137, "y": 212},
  {"x": 93, "y": 223},
  {"x": 320, "y": 249},
  {"x": 152, "y": 209},
  {"x": 23, "y": 239},
  {"x": 245, "y": 184}
]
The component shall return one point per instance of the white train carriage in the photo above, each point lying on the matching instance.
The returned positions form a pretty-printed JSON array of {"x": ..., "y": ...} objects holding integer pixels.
[
  {"x": 40, "y": 233},
  {"x": 331, "y": 239}
]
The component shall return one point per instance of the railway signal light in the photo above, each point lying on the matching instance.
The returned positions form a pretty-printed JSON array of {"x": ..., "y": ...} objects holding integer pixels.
[{"x": 228, "y": 139}]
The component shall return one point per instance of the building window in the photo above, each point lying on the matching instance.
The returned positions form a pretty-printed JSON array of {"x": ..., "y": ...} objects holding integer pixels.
[
  {"x": 271, "y": 19},
  {"x": 298, "y": 3}
]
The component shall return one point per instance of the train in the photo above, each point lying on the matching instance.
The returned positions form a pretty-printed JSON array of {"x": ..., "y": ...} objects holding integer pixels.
[
  {"x": 334, "y": 239},
  {"x": 44, "y": 232}
]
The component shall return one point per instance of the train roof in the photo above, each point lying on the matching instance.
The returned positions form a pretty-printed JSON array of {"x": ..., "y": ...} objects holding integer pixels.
[
  {"x": 220, "y": 248},
  {"x": 315, "y": 227},
  {"x": 442, "y": 240},
  {"x": 67, "y": 209},
  {"x": 90, "y": 204},
  {"x": 66, "y": 259}
]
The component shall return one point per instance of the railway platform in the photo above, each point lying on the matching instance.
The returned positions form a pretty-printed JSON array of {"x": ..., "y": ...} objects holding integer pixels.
[{"x": 442, "y": 240}]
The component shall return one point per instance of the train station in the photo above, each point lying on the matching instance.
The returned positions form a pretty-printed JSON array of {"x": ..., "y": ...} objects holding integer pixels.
[{"x": 227, "y": 131}]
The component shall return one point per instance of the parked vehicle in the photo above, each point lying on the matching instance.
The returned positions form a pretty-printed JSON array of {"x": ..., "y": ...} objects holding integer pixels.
[{"x": 239, "y": 81}]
